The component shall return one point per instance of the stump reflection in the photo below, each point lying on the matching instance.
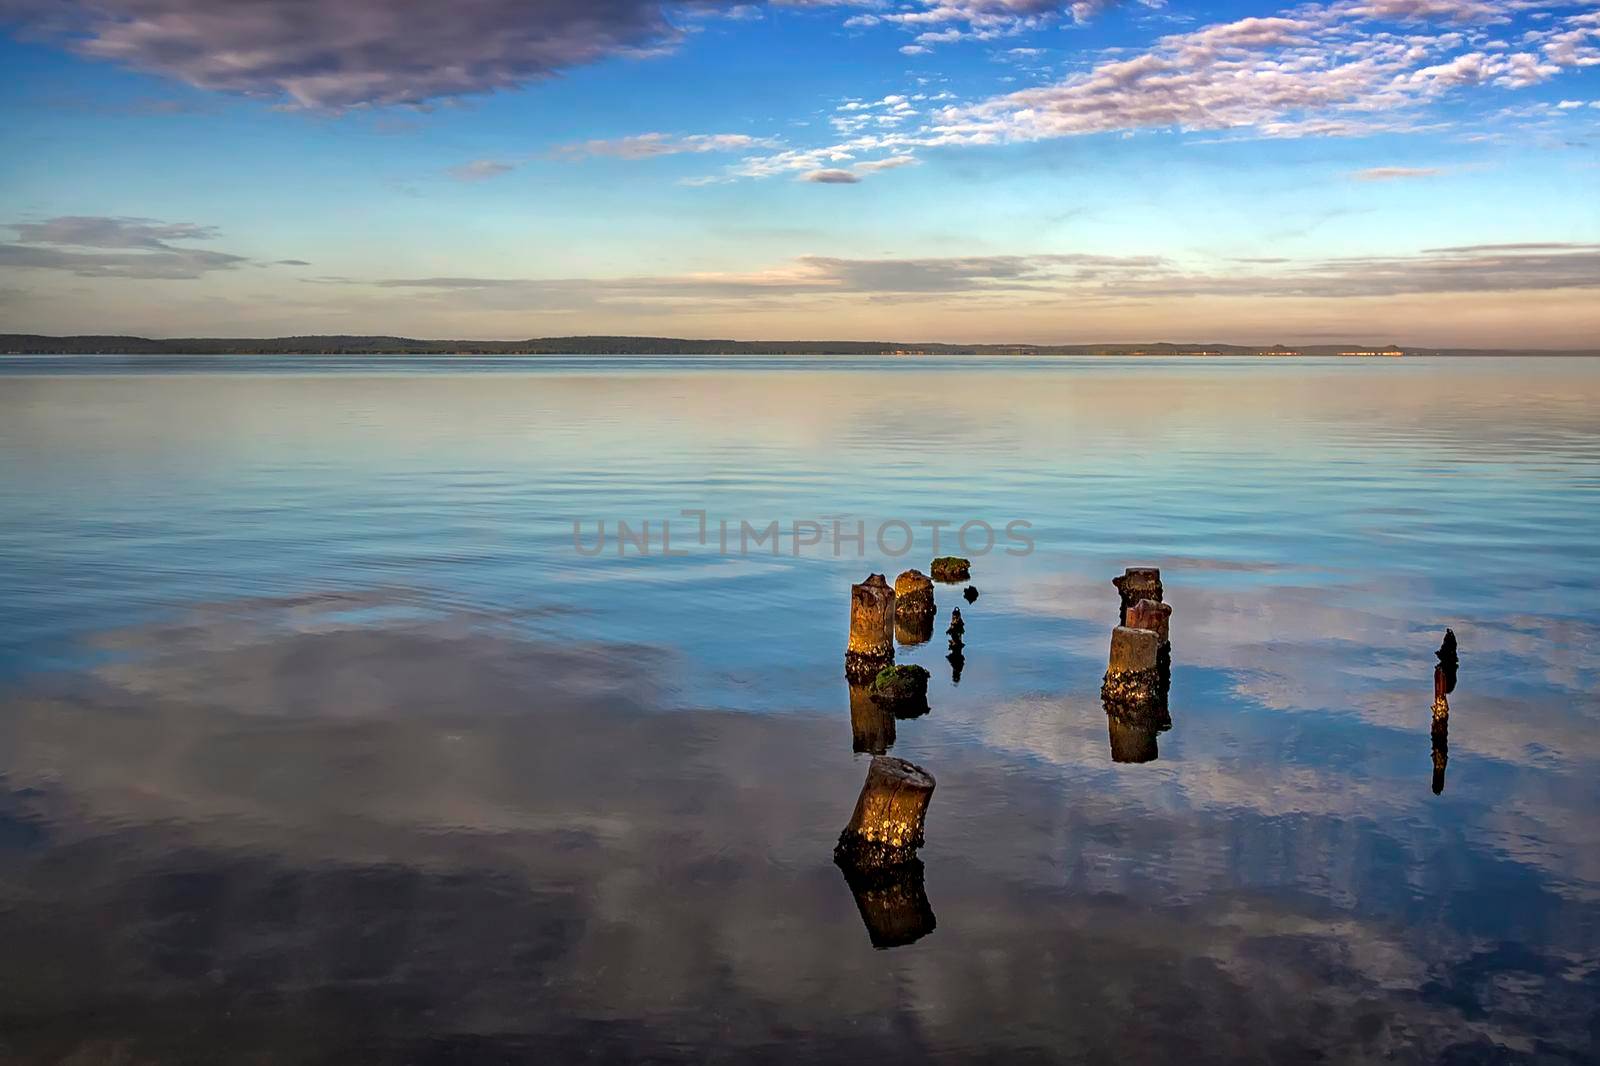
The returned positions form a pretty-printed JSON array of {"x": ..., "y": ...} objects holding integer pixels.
[
  {"x": 1133, "y": 740},
  {"x": 893, "y": 903},
  {"x": 911, "y": 630},
  {"x": 871, "y": 723},
  {"x": 1441, "y": 752},
  {"x": 1444, "y": 683}
]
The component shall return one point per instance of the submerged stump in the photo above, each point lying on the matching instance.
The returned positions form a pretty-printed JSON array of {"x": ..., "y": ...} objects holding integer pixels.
[
  {"x": 903, "y": 690},
  {"x": 871, "y": 646},
  {"x": 1137, "y": 583},
  {"x": 951, "y": 568},
  {"x": 886, "y": 827},
  {"x": 1132, "y": 684}
]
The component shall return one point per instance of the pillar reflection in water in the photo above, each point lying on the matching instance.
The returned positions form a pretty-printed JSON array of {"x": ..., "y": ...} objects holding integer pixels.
[
  {"x": 893, "y": 903},
  {"x": 1444, "y": 683},
  {"x": 871, "y": 723}
]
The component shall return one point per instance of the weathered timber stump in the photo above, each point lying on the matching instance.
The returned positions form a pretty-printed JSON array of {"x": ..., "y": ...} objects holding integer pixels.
[
  {"x": 871, "y": 724},
  {"x": 913, "y": 594},
  {"x": 903, "y": 690},
  {"x": 1132, "y": 685},
  {"x": 892, "y": 901},
  {"x": 1156, "y": 617},
  {"x": 886, "y": 827},
  {"x": 1137, "y": 583},
  {"x": 1441, "y": 694},
  {"x": 958, "y": 627},
  {"x": 1133, "y": 740},
  {"x": 1152, "y": 615},
  {"x": 950, "y": 568},
  {"x": 913, "y": 608},
  {"x": 871, "y": 645}
]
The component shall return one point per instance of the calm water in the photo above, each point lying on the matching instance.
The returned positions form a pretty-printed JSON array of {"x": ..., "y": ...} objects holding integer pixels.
[{"x": 321, "y": 742}]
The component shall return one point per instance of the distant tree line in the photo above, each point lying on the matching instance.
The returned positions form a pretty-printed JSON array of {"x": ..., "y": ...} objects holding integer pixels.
[{"x": 34, "y": 344}]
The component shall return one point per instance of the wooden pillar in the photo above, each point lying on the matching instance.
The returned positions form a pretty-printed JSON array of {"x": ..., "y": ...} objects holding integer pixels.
[
  {"x": 1137, "y": 583},
  {"x": 950, "y": 568},
  {"x": 1156, "y": 617},
  {"x": 886, "y": 826},
  {"x": 1152, "y": 615},
  {"x": 871, "y": 645},
  {"x": 913, "y": 594}
]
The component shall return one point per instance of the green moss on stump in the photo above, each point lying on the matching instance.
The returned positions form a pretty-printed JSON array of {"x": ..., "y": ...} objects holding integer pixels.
[
  {"x": 902, "y": 689},
  {"x": 951, "y": 568}
]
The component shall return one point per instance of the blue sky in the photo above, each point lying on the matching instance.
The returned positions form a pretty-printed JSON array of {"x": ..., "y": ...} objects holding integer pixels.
[{"x": 1422, "y": 171}]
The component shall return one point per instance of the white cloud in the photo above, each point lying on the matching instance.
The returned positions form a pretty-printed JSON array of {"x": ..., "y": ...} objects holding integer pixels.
[
  {"x": 651, "y": 145},
  {"x": 1394, "y": 173},
  {"x": 479, "y": 169}
]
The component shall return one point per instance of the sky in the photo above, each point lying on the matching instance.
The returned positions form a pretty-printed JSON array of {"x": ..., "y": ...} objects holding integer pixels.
[{"x": 1413, "y": 171}]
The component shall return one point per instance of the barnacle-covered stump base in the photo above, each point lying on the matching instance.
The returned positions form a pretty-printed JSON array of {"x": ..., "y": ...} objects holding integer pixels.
[
  {"x": 892, "y": 901},
  {"x": 1137, "y": 583},
  {"x": 861, "y": 669},
  {"x": 1132, "y": 685},
  {"x": 1132, "y": 694},
  {"x": 886, "y": 827}
]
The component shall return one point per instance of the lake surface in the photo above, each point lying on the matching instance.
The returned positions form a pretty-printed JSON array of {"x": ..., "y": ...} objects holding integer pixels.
[{"x": 324, "y": 740}]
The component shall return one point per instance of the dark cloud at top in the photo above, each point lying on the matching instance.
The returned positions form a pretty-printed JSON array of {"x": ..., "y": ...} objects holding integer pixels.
[
  {"x": 94, "y": 246},
  {"x": 831, "y": 177},
  {"x": 334, "y": 54},
  {"x": 93, "y": 231}
]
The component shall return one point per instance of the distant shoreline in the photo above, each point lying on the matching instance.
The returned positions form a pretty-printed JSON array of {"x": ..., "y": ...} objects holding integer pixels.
[{"x": 37, "y": 344}]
